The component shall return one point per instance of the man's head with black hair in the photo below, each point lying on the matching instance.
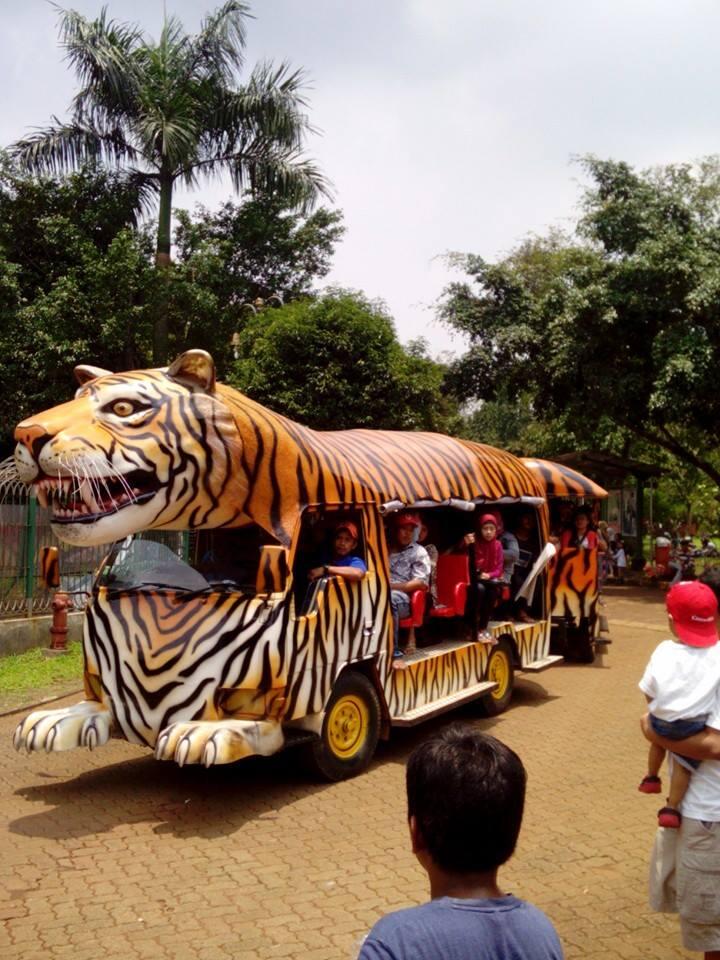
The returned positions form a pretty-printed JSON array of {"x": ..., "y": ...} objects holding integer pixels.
[{"x": 466, "y": 791}]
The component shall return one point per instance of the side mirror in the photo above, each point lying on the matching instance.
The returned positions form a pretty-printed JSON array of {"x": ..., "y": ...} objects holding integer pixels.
[
  {"x": 273, "y": 570},
  {"x": 50, "y": 567}
]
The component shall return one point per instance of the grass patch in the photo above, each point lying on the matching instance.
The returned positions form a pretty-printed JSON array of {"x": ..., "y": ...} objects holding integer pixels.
[{"x": 33, "y": 671}]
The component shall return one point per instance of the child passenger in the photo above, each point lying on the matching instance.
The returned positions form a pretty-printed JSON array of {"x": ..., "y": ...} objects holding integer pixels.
[
  {"x": 680, "y": 683},
  {"x": 489, "y": 565}
]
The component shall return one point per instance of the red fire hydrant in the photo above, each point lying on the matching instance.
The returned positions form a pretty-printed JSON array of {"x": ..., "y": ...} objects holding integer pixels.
[{"x": 58, "y": 631}]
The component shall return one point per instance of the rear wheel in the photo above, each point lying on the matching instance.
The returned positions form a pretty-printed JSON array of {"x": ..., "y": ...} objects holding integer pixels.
[
  {"x": 350, "y": 730},
  {"x": 500, "y": 670}
]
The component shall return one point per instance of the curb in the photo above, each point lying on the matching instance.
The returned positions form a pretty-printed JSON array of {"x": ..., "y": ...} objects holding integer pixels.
[{"x": 40, "y": 703}]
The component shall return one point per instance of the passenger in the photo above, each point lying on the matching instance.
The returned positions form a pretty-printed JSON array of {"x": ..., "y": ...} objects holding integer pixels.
[
  {"x": 409, "y": 570},
  {"x": 344, "y": 562},
  {"x": 489, "y": 562},
  {"x": 582, "y": 533},
  {"x": 529, "y": 551},
  {"x": 465, "y": 799}
]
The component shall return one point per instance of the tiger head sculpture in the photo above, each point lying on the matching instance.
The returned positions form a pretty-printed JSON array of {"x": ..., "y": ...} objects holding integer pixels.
[{"x": 135, "y": 451}]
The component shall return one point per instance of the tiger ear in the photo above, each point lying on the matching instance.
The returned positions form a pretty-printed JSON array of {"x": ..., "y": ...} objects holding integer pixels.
[
  {"x": 84, "y": 374},
  {"x": 194, "y": 368}
]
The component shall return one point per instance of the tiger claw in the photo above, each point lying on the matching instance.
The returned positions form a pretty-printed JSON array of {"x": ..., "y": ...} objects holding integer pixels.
[
  {"x": 160, "y": 746},
  {"x": 209, "y": 756},
  {"x": 182, "y": 751},
  {"x": 90, "y": 737}
]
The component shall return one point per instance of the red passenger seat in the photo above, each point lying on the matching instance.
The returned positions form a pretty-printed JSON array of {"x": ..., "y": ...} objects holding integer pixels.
[
  {"x": 453, "y": 580},
  {"x": 417, "y": 610}
]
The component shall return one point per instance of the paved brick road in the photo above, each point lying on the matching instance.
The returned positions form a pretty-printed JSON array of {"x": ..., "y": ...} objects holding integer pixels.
[{"x": 113, "y": 855}]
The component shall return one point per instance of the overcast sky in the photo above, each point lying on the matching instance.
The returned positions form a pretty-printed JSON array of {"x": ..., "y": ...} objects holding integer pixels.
[{"x": 446, "y": 124}]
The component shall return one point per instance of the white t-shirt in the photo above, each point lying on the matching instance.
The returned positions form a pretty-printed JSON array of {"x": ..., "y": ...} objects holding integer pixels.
[
  {"x": 620, "y": 558},
  {"x": 702, "y": 800},
  {"x": 681, "y": 681}
]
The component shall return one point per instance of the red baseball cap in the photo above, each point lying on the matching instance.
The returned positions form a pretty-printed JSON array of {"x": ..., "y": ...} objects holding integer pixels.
[
  {"x": 407, "y": 519},
  {"x": 349, "y": 526},
  {"x": 693, "y": 607}
]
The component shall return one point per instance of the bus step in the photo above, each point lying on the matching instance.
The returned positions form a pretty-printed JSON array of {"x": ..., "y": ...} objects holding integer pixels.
[
  {"x": 537, "y": 665},
  {"x": 452, "y": 700}
]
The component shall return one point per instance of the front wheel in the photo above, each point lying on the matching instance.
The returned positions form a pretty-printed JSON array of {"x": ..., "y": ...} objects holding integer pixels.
[
  {"x": 500, "y": 669},
  {"x": 350, "y": 730}
]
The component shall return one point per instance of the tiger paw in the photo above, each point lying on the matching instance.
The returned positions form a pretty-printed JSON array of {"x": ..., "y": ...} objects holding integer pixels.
[
  {"x": 85, "y": 724},
  {"x": 218, "y": 741}
]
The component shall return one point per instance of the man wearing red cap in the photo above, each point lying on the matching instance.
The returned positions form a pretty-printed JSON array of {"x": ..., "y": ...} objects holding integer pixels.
[
  {"x": 344, "y": 562},
  {"x": 683, "y": 872},
  {"x": 410, "y": 569},
  {"x": 681, "y": 684}
]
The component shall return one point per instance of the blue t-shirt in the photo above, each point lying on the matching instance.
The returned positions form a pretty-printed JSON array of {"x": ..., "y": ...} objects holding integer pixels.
[
  {"x": 502, "y": 928},
  {"x": 348, "y": 562}
]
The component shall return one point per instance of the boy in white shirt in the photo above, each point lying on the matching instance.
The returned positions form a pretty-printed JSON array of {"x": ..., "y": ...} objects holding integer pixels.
[{"x": 681, "y": 684}]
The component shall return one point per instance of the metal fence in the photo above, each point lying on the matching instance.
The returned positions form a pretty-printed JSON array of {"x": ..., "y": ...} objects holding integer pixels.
[{"x": 24, "y": 528}]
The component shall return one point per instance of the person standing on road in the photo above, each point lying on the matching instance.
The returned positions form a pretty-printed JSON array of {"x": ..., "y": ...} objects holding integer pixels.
[
  {"x": 681, "y": 683},
  {"x": 466, "y": 793},
  {"x": 684, "y": 876}
]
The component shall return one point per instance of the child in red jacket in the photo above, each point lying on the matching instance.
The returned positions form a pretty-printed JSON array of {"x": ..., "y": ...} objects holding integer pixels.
[{"x": 489, "y": 563}]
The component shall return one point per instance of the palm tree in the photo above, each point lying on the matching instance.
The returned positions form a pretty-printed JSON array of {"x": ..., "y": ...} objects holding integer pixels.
[{"x": 172, "y": 110}]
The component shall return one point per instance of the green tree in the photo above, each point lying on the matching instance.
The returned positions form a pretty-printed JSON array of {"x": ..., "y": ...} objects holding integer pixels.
[
  {"x": 227, "y": 259},
  {"x": 261, "y": 247},
  {"x": 335, "y": 363},
  {"x": 172, "y": 110},
  {"x": 618, "y": 325},
  {"x": 76, "y": 280}
]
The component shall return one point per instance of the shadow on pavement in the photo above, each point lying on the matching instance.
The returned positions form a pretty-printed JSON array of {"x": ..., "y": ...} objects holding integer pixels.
[{"x": 185, "y": 801}]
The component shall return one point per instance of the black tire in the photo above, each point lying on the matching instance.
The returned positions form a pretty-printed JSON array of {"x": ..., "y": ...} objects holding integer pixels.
[
  {"x": 500, "y": 668},
  {"x": 350, "y": 730}
]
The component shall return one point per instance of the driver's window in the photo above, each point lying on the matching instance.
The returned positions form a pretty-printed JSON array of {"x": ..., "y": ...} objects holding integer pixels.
[
  {"x": 315, "y": 548},
  {"x": 230, "y": 558}
]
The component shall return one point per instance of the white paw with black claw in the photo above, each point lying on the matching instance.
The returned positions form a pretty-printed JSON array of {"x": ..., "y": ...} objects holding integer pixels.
[
  {"x": 213, "y": 742},
  {"x": 85, "y": 724}
]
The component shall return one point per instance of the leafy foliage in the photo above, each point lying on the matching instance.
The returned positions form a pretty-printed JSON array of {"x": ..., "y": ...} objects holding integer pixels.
[
  {"x": 615, "y": 328},
  {"x": 335, "y": 363}
]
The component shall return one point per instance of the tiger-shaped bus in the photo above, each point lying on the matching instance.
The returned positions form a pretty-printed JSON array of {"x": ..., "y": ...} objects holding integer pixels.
[{"x": 222, "y": 648}]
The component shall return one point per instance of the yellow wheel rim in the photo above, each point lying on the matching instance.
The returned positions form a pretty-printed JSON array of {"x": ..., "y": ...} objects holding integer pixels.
[
  {"x": 347, "y": 726},
  {"x": 499, "y": 673}
]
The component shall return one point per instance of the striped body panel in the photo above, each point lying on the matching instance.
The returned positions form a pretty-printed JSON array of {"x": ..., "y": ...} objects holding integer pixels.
[
  {"x": 574, "y": 585},
  {"x": 425, "y": 681}
]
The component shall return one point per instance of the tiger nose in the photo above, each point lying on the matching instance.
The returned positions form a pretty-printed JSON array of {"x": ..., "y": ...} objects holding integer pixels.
[{"x": 33, "y": 436}]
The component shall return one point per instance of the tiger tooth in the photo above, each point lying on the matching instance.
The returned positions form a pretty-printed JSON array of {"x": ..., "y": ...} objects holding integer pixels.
[
  {"x": 41, "y": 496},
  {"x": 88, "y": 497}
]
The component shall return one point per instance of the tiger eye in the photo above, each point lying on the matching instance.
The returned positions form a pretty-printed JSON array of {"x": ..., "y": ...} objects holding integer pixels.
[{"x": 123, "y": 408}]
